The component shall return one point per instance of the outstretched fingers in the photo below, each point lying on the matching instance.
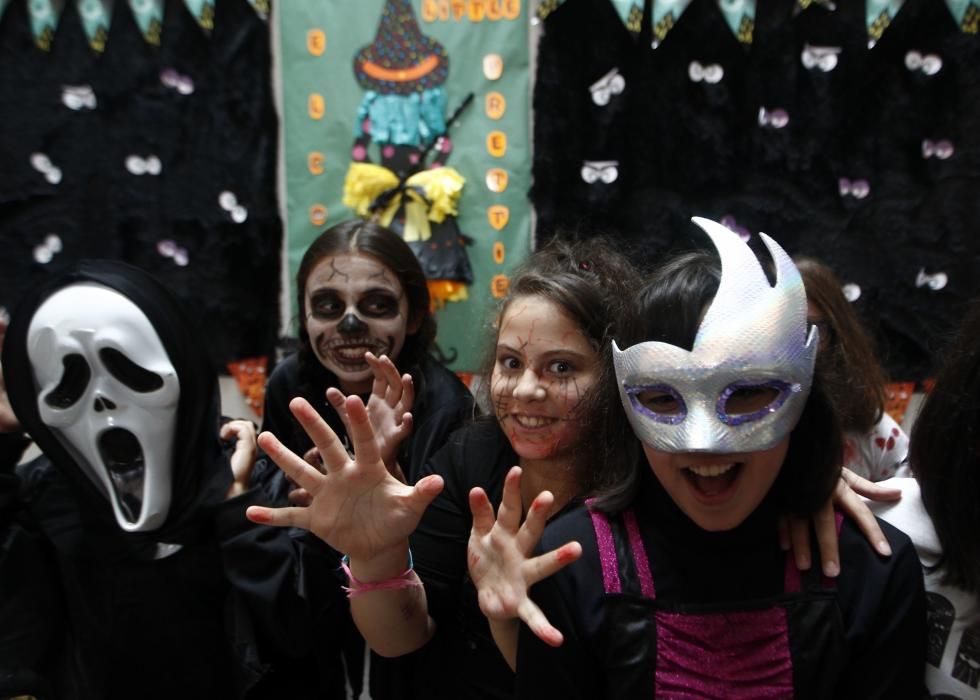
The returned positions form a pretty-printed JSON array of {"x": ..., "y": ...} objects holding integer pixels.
[
  {"x": 825, "y": 524},
  {"x": 279, "y": 517},
  {"x": 361, "y": 433},
  {"x": 537, "y": 518},
  {"x": 510, "y": 511},
  {"x": 331, "y": 449},
  {"x": 292, "y": 465},
  {"x": 549, "y": 563},
  {"x": 539, "y": 624},
  {"x": 852, "y": 504},
  {"x": 482, "y": 511},
  {"x": 869, "y": 489}
]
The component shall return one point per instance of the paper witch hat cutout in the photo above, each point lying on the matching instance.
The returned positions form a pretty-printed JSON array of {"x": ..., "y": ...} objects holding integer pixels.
[{"x": 401, "y": 59}]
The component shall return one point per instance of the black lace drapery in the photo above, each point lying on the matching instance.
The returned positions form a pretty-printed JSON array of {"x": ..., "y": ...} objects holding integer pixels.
[
  {"x": 872, "y": 165},
  {"x": 162, "y": 156}
]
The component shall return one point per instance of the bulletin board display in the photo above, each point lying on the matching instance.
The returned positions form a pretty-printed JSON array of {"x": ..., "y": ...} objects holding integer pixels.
[{"x": 377, "y": 83}]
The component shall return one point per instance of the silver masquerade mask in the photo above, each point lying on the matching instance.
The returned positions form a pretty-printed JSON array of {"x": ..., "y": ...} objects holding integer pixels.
[
  {"x": 743, "y": 385},
  {"x": 109, "y": 392}
]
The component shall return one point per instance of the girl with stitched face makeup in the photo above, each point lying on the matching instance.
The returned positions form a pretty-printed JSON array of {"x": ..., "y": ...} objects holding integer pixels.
[{"x": 544, "y": 366}]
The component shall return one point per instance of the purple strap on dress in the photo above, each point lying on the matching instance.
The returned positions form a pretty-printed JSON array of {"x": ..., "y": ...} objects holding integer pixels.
[
  {"x": 607, "y": 551},
  {"x": 639, "y": 555}
]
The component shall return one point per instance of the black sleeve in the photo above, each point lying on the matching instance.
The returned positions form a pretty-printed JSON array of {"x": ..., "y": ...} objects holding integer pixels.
[
  {"x": 30, "y": 594},
  {"x": 289, "y": 580},
  {"x": 568, "y": 671},
  {"x": 439, "y": 542},
  {"x": 884, "y": 609},
  {"x": 477, "y": 455},
  {"x": 12, "y": 446},
  {"x": 448, "y": 406}
]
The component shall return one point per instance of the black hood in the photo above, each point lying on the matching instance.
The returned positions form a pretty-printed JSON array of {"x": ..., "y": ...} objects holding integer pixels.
[{"x": 82, "y": 516}]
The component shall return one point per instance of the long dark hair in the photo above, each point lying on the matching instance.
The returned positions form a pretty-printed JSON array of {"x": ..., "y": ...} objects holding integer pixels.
[
  {"x": 670, "y": 308},
  {"x": 594, "y": 285},
  {"x": 847, "y": 359},
  {"x": 944, "y": 454},
  {"x": 359, "y": 237}
]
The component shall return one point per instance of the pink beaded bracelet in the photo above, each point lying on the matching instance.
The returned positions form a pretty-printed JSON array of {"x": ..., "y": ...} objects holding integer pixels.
[{"x": 402, "y": 580}]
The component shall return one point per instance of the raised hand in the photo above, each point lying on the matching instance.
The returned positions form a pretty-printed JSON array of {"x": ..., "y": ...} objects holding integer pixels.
[
  {"x": 243, "y": 456},
  {"x": 388, "y": 408},
  {"x": 356, "y": 506},
  {"x": 501, "y": 565},
  {"x": 795, "y": 532}
]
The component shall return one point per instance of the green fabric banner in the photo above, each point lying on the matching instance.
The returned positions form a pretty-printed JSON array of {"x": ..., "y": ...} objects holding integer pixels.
[{"x": 370, "y": 82}]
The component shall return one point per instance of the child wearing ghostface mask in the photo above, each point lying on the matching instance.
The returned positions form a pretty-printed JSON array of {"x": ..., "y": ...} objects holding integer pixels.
[{"x": 126, "y": 565}]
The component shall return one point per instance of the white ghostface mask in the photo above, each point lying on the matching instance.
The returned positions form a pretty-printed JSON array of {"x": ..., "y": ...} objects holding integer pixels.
[
  {"x": 743, "y": 385},
  {"x": 109, "y": 392}
]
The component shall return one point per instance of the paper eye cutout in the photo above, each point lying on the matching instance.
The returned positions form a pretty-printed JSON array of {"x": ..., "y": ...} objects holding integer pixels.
[
  {"x": 942, "y": 149},
  {"x": 45, "y": 252},
  {"x": 934, "y": 282},
  {"x": 76, "y": 97},
  {"x": 594, "y": 171},
  {"x": 43, "y": 164},
  {"x": 711, "y": 73},
  {"x": 823, "y": 58},
  {"x": 859, "y": 189},
  {"x": 612, "y": 83},
  {"x": 851, "y": 291},
  {"x": 777, "y": 118},
  {"x": 929, "y": 64}
]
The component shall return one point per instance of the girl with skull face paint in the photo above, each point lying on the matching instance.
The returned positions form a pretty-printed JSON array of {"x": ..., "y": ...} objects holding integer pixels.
[
  {"x": 682, "y": 589},
  {"x": 145, "y": 576},
  {"x": 360, "y": 289}
]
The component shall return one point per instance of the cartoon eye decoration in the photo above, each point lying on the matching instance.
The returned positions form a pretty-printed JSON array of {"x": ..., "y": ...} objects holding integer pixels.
[
  {"x": 660, "y": 402},
  {"x": 851, "y": 291},
  {"x": 45, "y": 252},
  {"x": 942, "y": 149},
  {"x": 934, "y": 282},
  {"x": 823, "y": 58},
  {"x": 42, "y": 163},
  {"x": 859, "y": 189},
  {"x": 929, "y": 64},
  {"x": 711, "y": 73},
  {"x": 612, "y": 83},
  {"x": 606, "y": 171},
  {"x": 76, "y": 97},
  {"x": 747, "y": 401},
  {"x": 777, "y": 118},
  {"x": 151, "y": 165}
]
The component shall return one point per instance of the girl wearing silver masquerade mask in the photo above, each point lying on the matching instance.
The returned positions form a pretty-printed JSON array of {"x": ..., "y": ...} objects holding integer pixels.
[{"x": 682, "y": 589}]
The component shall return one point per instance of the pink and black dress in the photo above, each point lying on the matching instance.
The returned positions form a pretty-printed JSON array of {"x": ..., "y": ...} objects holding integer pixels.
[{"x": 657, "y": 607}]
